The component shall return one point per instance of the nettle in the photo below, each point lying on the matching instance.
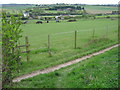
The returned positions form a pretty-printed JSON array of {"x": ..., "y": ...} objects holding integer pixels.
[{"x": 11, "y": 33}]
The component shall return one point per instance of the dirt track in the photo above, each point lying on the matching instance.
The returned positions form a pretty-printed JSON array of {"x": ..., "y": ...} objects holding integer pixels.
[{"x": 51, "y": 69}]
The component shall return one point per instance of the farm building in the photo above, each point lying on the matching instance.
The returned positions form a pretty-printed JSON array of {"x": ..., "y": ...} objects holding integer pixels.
[{"x": 26, "y": 14}]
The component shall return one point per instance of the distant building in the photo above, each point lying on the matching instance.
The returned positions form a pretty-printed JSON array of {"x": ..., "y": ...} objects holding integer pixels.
[
  {"x": 57, "y": 17},
  {"x": 115, "y": 12},
  {"x": 26, "y": 14},
  {"x": 59, "y": 10},
  {"x": 39, "y": 17},
  {"x": 68, "y": 9},
  {"x": 72, "y": 15}
]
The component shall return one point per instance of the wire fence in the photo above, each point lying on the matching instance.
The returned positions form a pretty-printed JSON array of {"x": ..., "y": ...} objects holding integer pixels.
[{"x": 72, "y": 39}]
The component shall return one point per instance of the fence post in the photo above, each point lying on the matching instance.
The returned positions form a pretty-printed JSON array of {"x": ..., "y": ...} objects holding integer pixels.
[
  {"x": 49, "y": 45},
  {"x": 75, "y": 39},
  {"x": 27, "y": 48},
  {"x": 118, "y": 33},
  {"x": 107, "y": 32},
  {"x": 93, "y": 33}
]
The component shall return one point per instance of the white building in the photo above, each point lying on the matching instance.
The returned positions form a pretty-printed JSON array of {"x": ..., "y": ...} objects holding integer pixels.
[{"x": 26, "y": 14}]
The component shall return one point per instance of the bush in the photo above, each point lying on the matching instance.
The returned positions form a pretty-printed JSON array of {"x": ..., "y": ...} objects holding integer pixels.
[
  {"x": 77, "y": 17},
  {"x": 10, "y": 54},
  {"x": 72, "y": 20},
  {"x": 98, "y": 14},
  {"x": 67, "y": 17},
  {"x": 107, "y": 16},
  {"x": 23, "y": 18}
]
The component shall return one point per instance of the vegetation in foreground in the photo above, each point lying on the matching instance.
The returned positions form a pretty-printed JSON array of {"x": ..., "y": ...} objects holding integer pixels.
[
  {"x": 10, "y": 54},
  {"x": 97, "y": 72}
]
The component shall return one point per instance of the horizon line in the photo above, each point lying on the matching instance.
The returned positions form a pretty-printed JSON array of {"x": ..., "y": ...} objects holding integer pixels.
[{"x": 62, "y": 3}]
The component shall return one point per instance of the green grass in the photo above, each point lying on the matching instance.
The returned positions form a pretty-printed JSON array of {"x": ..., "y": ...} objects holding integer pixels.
[
  {"x": 49, "y": 11},
  {"x": 111, "y": 16},
  {"x": 62, "y": 41},
  {"x": 63, "y": 33},
  {"x": 100, "y": 8},
  {"x": 92, "y": 7},
  {"x": 17, "y": 7},
  {"x": 37, "y": 33},
  {"x": 97, "y": 72}
]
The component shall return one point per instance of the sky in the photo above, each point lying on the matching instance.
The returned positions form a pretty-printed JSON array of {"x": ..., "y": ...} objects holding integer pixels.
[{"x": 59, "y": 1}]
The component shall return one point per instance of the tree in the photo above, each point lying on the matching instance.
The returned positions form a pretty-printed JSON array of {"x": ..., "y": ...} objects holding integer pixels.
[
  {"x": 10, "y": 54},
  {"x": 79, "y": 7},
  {"x": 83, "y": 8}
]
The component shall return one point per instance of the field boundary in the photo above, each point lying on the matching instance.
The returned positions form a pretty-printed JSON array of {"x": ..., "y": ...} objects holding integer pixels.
[{"x": 51, "y": 69}]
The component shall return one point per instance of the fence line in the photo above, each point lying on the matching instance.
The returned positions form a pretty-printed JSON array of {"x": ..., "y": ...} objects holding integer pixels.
[
  {"x": 27, "y": 48},
  {"x": 93, "y": 35},
  {"x": 92, "y": 31},
  {"x": 77, "y": 31},
  {"x": 41, "y": 47}
]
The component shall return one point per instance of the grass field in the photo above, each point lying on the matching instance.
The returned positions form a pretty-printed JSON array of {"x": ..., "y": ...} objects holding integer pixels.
[
  {"x": 62, "y": 41},
  {"x": 97, "y": 72},
  {"x": 37, "y": 33},
  {"x": 104, "y": 16},
  {"x": 17, "y": 7},
  {"x": 100, "y": 9},
  {"x": 103, "y": 8}
]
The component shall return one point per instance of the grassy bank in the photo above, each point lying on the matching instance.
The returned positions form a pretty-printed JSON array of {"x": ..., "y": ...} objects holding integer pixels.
[{"x": 97, "y": 72}]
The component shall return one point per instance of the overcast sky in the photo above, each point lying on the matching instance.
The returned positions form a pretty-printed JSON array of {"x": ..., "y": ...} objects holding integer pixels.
[{"x": 59, "y": 1}]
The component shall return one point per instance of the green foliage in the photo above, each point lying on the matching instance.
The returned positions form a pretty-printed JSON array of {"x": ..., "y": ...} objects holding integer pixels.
[
  {"x": 11, "y": 54},
  {"x": 107, "y": 16},
  {"x": 36, "y": 11},
  {"x": 23, "y": 18}
]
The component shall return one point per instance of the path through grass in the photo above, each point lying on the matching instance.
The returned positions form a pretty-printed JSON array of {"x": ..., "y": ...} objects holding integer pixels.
[{"x": 97, "y": 72}]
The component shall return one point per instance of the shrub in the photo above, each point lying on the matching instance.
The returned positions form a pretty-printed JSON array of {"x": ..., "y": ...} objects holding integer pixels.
[
  {"x": 23, "y": 18},
  {"x": 10, "y": 54},
  {"x": 107, "y": 16}
]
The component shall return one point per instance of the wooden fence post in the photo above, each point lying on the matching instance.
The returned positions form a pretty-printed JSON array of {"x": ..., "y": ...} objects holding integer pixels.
[
  {"x": 118, "y": 33},
  {"x": 49, "y": 45},
  {"x": 48, "y": 42},
  {"x": 93, "y": 33},
  {"x": 27, "y": 48},
  {"x": 107, "y": 32},
  {"x": 75, "y": 39}
]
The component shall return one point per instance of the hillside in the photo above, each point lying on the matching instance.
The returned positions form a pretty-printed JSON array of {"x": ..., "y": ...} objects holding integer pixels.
[{"x": 97, "y": 72}]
